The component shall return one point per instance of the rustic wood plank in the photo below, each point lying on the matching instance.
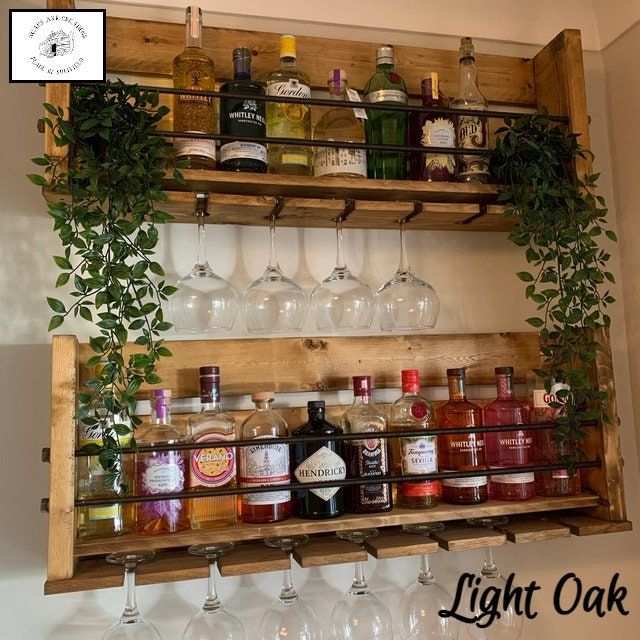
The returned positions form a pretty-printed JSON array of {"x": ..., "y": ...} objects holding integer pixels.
[
  {"x": 298, "y": 526},
  {"x": 395, "y": 543},
  {"x": 59, "y": 95},
  {"x": 534, "y": 530},
  {"x": 61, "y": 4},
  {"x": 325, "y": 364},
  {"x": 583, "y": 525},
  {"x": 146, "y": 47},
  {"x": 464, "y": 537},
  {"x": 253, "y": 558},
  {"x": 323, "y": 551},
  {"x": 62, "y": 528}
]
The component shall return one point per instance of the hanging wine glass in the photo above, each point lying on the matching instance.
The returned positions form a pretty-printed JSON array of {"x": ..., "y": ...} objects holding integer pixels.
[
  {"x": 360, "y": 614},
  {"x": 213, "y": 622},
  {"x": 342, "y": 301},
  {"x": 406, "y": 302},
  {"x": 423, "y": 600},
  {"x": 204, "y": 301},
  {"x": 274, "y": 303},
  {"x": 289, "y": 617},
  {"x": 131, "y": 624}
]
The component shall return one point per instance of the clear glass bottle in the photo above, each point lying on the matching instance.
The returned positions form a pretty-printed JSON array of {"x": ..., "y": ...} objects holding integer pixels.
[
  {"x": 194, "y": 70},
  {"x": 386, "y": 127},
  {"x": 415, "y": 455},
  {"x": 264, "y": 464},
  {"x": 289, "y": 120},
  {"x": 508, "y": 448},
  {"x": 215, "y": 466},
  {"x": 161, "y": 471},
  {"x": 113, "y": 519},
  {"x": 368, "y": 457},
  {"x": 319, "y": 462},
  {"x": 471, "y": 130},
  {"x": 432, "y": 130},
  {"x": 244, "y": 117},
  {"x": 339, "y": 124},
  {"x": 463, "y": 452}
]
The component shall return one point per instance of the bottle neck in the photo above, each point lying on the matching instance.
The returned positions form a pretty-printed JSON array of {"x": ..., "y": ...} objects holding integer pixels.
[
  {"x": 457, "y": 389},
  {"x": 362, "y": 399},
  {"x": 194, "y": 30},
  {"x": 316, "y": 415},
  {"x": 161, "y": 413},
  {"x": 209, "y": 395},
  {"x": 504, "y": 387},
  {"x": 242, "y": 69},
  {"x": 410, "y": 391},
  {"x": 263, "y": 405},
  {"x": 287, "y": 61},
  {"x": 384, "y": 66},
  {"x": 468, "y": 74}
]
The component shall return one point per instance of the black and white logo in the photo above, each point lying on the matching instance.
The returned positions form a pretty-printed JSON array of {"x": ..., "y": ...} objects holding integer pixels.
[{"x": 57, "y": 45}]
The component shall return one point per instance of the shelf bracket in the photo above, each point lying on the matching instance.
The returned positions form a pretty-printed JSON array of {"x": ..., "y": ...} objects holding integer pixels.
[
  {"x": 202, "y": 204},
  {"x": 417, "y": 209},
  {"x": 482, "y": 212},
  {"x": 349, "y": 208},
  {"x": 278, "y": 206}
]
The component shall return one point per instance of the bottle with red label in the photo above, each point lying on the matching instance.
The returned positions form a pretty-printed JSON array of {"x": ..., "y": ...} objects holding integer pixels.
[
  {"x": 508, "y": 448},
  {"x": 161, "y": 471},
  {"x": 264, "y": 465},
  {"x": 212, "y": 467},
  {"x": 461, "y": 452},
  {"x": 416, "y": 455},
  {"x": 367, "y": 457}
]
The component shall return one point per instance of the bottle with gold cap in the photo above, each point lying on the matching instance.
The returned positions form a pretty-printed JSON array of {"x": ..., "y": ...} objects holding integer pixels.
[{"x": 286, "y": 120}]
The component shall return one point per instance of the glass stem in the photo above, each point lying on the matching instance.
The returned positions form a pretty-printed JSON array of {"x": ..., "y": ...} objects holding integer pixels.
[
  {"x": 273, "y": 256},
  {"x": 403, "y": 267},
  {"x": 201, "y": 260},
  {"x": 288, "y": 593},
  {"x": 130, "y": 608},
  {"x": 212, "y": 603},
  {"x": 340, "y": 264},
  {"x": 359, "y": 581},
  {"x": 489, "y": 568},
  {"x": 425, "y": 576}
]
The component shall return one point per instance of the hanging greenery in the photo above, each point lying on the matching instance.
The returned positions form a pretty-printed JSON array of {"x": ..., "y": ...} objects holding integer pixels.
[
  {"x": 108, "y": 228},
  {"x": 560, "y": 222}
]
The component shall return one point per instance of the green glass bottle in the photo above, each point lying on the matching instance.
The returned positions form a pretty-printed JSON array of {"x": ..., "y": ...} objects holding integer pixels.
[{"x": 386, "y": 127}]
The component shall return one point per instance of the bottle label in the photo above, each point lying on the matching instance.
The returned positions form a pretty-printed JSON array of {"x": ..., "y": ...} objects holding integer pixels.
[
  {"x": 93, "y": 435},
  {"x": 161, "y": 473},
  {"x": 354, "y": 96},
  {"x": 439, "y": 133},
  {"x": 419, "y": 410},
  {"x": 542, "y": 398},
  {"x": 371, "y": 460},
  {"x": 332, "y": 161},
  {"x": 195, "y": 147},
  {"x": 243, "y": 151},
  {"x": 295, "y": 158},
  {"x": 513, "y": 478},
  {"x": 560, "y": 474},
  {"x": 264, "y": 465},
  {"x": 111, "y": 512},
  {"x": 322, "y": 465},
  {"x": 472, "y": 134},
  {"x": 420, "y": 489},
  {"x": 293, "y": 88},
  {"x": 214, "y": 466},
  {"x": 419, "y": 455},
  {"x": 466, "y": 483},
  {"x": 388, "y": 95}
]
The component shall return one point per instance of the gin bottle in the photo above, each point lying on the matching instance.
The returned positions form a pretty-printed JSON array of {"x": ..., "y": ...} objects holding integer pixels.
[
  {"x": 386, "y": 127},
  {"x": 194, "y": 70},
  {"x": 471, "y": 129},
  {"x": 213, "y": 467},
  {"x": 286, "y": 120},
  {"x": 339, "y": 124}
]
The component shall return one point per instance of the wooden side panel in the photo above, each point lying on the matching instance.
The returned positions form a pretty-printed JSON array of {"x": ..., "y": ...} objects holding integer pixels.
[
  {"x": 62, "y": 530},
  {"x": 145, "y": 47},
  {"x": 59, "y": 95}
]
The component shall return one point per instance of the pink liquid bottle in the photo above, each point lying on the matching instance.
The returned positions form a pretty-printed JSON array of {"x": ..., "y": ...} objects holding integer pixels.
[{"x": 508, "y": 448}]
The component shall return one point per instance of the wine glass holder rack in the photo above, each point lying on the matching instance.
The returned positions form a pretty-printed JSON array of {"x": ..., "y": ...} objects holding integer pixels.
[{"x": 553, "y": 80}]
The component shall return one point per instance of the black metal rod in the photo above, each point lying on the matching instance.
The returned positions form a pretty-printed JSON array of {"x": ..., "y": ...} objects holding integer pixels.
[
  {"x": 190, "y": 446},
  {"x": 348, "y": 482}
]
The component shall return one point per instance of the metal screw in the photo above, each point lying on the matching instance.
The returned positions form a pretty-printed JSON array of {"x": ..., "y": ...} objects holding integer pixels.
[
  {"x": 45, "y": 454},
  {"x": 40, "y": 125},
  {"x": 44, "y": 505}
]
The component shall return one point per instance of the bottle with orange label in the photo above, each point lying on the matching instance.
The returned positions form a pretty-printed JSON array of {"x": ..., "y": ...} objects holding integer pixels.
[{"x": 213, "y": 466}]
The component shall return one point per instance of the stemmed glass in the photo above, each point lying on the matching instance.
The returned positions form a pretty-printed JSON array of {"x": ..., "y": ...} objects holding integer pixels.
[
  {"x": 509, "y": 625},
  {"x": 131, "y": 624},
  {"x": 274, "y": 303},
  {"x": 289, "y": 617},
  {"x": 204, "y": 300},
  {"x": 360, "y": 614},
  {"x": 406, "y": 302},
  {"x": 342, "y": 301},
  {"x": 213, "y": 622},
  {"x": 424, "y": 599}
]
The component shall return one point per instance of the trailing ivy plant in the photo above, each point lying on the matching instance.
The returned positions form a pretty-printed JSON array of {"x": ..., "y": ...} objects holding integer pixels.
[
  {"x": 560, "y": 221},
  {"x": 108, "y": 228}
]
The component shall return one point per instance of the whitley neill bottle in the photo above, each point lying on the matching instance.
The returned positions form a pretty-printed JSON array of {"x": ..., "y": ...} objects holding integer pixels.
[
  {"x": 319, "y": 462},
  {"x": 463, "y": 452},
  {"x": 367, "y": 457}
]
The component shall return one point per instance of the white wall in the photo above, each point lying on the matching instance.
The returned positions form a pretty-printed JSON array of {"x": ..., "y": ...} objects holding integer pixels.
[{"x": 474, "y": 275}]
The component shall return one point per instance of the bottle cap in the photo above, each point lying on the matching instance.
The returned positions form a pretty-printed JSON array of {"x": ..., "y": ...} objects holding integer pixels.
[
  {"x": 410, "y": 380},
  {"x": 159, "y": 394},
  {"x": 212, "y": 371},
  {"x": 259, "y": 396},
  {"x": 430, "y": 85},
  {"x": 241, "y": 53},
  {"x": 384, "y": 54},
  {"x": 459, "y": 372},
  {"x": 288, "y": 46},
  {"x": 361, "y": 385},
  {"x": 338, "y": 76},
  {"x": 504, "y": 371},
  {"x": 316, "y": 405},
  {"x": 466, "y": 49}
]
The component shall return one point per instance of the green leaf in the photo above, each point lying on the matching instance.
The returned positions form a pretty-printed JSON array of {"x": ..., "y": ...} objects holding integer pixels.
[
  {"x": 41, "y": 162},
  {"x": 525, "y": 276},
  {"x": 62, "y": 262},
  {"x": 85, "y": 313},
  {"x": 535, "y": 322},
  {"x": 56, "y": 305},
  {"x": 611, "y": 235},
  {"x": 37, "y": 179},
  {"x": 55, "y": 322},
  {"x": 62, "y": 279}
]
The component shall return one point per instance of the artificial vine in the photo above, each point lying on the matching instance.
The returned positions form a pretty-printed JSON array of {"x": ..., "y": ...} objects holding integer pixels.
[
  {"x": 559, "y": 220},
  {"x": 108, "y": 228}
]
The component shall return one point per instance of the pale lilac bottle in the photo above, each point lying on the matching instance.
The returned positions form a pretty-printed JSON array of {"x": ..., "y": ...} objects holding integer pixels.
[{"x": 508, "y": 448}]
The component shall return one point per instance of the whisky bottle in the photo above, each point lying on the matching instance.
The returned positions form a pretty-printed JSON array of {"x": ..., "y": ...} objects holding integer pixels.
[
  {"x": 243, "y": 117},
  {"x": 369, "y": 456},
  {"x": 339, "y": 124},
  {"x": 213, "y": 467},
  {"x": 386, "y": 127},
  {"x": 319, "y": 462},
  {"x": 289, "y": 120},
  {"x": 194, "y": 70},
  {"x": 471, "y": 129},
  {"x": 464, "y": 452},
  {"x": 161, "y": 471},
  {"x": 418, "y": 454}
]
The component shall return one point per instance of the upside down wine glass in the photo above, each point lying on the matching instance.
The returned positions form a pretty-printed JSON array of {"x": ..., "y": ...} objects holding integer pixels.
[
  {"x": 406, "y": 302},
  {"x": 213, "y": 622},
  {"x": 342, "y": 301},
  {"x": 204, "y": 300},
  {"x": 131, "y": 625}
]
